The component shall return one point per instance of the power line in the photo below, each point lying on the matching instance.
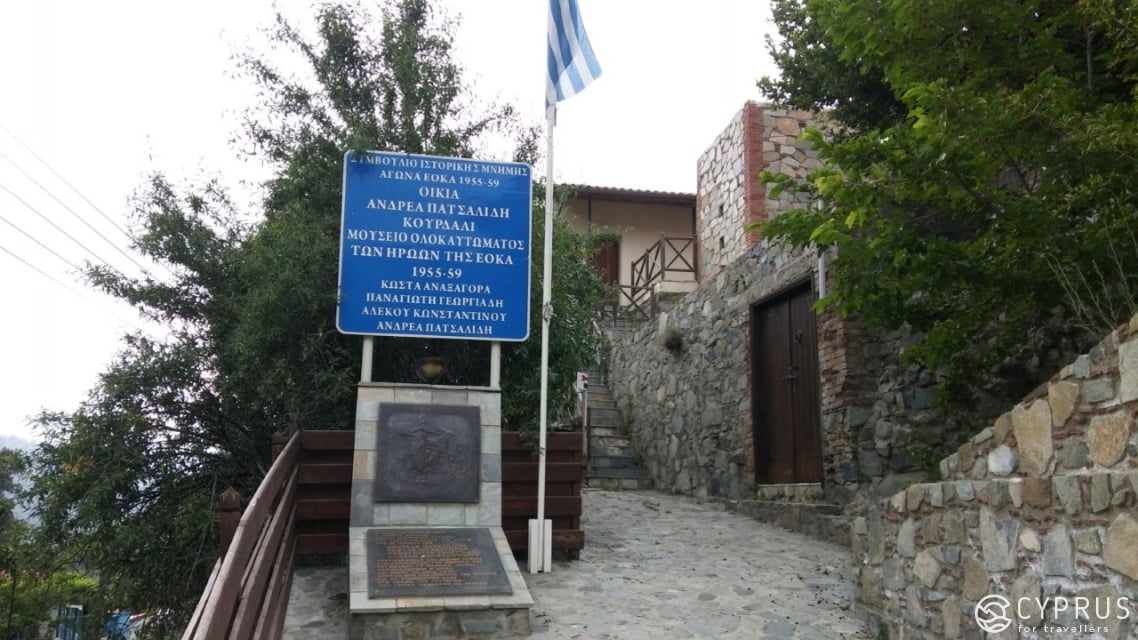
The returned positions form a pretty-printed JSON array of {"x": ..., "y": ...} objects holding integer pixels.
[
  {"x": 57, "y": 228},
  {"x": 64, "y": 180},
  {"x": 73, "y": 213},
  {"x": 35, "y": 240},
  {"x": 73, "y": 291}
]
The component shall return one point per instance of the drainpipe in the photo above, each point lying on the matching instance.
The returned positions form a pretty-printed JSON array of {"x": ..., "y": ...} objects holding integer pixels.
[
  {"x": 821, "y": 263},
  {"x": 694, "y": 245},
  {"x": 822, "y": 274}
]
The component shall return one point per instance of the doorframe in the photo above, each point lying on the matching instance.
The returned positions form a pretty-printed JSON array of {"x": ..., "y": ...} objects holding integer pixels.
[{"x": 786, "y": 291}]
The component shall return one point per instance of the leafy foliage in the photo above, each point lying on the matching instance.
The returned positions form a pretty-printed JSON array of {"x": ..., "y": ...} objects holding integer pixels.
[
  {"x": 126, "y": 485},
  {"x": 31, "y": 583},
  {"x": 1010, "y": 165}
]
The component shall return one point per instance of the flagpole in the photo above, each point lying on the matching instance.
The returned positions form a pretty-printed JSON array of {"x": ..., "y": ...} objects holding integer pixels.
[
  {"x": 545, "y": 544},
  {"x": 571, "y": 65}
]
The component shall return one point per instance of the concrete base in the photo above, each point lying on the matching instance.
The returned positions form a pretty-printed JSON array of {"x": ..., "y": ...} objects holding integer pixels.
[
  {"x": 429, "y": 625},
  {"x": 360, "y": 603},
  {"x": 445, "y": 617}
]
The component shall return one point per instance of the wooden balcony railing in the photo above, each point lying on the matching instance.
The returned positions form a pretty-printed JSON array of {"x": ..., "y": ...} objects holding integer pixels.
[
  {"x": 670, "y": 255},
  {"x": 670, "y": 259}
]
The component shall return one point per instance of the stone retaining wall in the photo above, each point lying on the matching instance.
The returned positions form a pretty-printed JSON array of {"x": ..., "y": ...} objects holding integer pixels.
[
  {"x": 1039, "y": 505},
  {"x": 689, "y": 411}
]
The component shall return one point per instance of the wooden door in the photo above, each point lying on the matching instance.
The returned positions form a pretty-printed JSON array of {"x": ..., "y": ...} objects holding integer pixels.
[
  {"x": 784, "y": 360},
  {"x": 607, "y": 262}
]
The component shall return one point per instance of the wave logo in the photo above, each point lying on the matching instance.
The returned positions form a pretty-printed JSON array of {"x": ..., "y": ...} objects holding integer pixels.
[{"x": 993, "y": 613}]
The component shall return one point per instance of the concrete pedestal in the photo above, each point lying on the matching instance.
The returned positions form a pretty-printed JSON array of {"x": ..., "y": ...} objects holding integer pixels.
[{"x": 426, "y": 617}]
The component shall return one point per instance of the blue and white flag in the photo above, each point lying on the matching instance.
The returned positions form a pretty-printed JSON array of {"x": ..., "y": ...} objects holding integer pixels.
[{"x": 572, "y": 65}]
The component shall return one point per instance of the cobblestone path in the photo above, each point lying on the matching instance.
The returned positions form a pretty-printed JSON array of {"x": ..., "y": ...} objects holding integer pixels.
[
  {"x": 663, "y": 567},
  {"x": 656, "y": 567}
]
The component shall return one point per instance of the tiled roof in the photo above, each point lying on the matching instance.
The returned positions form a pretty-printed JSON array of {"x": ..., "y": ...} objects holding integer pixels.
[{"x": 630, "y": 195}]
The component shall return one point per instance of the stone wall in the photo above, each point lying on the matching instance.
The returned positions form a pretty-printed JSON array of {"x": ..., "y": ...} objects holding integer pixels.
[
  {"x": 729, "y": 196},
  {"x": 1041, "y": 504},
  {"x": 689, "y": 410}
]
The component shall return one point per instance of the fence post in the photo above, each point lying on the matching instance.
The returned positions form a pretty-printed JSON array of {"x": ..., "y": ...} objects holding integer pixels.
[
  {"x": 278, "y": 444},
  {"x": 229, "y": 504}
]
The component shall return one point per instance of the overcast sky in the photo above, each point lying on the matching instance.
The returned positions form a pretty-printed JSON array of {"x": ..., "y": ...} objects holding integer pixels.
[{"x": 105, "y": 93}]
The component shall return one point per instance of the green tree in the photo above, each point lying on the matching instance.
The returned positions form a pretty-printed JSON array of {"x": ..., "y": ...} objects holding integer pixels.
[
  {"x": 1007, "y": 173},
  {"x": 126, "y": 484},
  {"x": 32, "y": 583}
]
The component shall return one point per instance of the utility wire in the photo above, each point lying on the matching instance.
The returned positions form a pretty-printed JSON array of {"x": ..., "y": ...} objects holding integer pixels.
[
  {"x": 73, "y": 213},
  {"x": 35, "y": 240},
  {"x": 78, "y": 193},
  {"x": 57, "y": 228},
  {"x": 75, "y": 292},
  {"x": 64, "y": 181}
]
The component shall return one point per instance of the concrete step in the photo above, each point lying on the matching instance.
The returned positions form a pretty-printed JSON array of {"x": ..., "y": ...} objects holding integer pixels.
[
  {"x": 610, "y": 446},
  {"x": 604, "y": 417},
  {"x": 619, "y": 484},
  {"x": 613, "y": 462},
  {"x": 617, "y": 472},
  {"x": 597, "y": 403},
  {"x": 818, "y": 520},
  {"x": 601, "y": 431},
  {"x": 610, "y": 450}
]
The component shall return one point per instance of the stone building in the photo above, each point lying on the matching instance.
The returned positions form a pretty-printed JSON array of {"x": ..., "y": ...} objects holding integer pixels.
[
  {"x": 741, "y": 391},
  {"x": 760, "y": 397}
]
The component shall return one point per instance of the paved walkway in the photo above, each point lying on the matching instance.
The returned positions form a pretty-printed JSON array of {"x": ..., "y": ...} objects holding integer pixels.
[{"x": 660, "y": 567}]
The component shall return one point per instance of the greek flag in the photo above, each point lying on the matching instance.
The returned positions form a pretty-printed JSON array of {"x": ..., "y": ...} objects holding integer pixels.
[{"x": 572, "y": 65}]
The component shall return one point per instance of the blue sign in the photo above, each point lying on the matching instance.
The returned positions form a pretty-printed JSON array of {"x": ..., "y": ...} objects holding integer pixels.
[{"x": 434, "y": 247}]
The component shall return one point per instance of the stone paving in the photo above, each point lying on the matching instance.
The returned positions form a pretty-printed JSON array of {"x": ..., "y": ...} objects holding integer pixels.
[{"x": 656, "y": 567}]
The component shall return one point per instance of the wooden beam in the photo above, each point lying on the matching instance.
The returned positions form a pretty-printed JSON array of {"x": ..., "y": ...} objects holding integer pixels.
[
  {"x": 326, "y": 473},
  {"x": 322, "y": 543},
  {"x": 341, "y": 440},
  {"x": 554, "y": 472},
  {"x": 564, "y": 539},
  {"x": 323, "y": 509},
  {"x": 554, "y": 506}
]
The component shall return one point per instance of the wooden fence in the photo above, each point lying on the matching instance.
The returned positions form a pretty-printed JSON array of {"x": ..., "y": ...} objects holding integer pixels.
[
  {"x": 563, "y": 477},
  {"x": 301, "y": 507}
]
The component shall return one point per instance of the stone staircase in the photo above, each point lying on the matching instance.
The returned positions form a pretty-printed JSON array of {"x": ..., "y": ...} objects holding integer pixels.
[{"x": 612, "y": 463}]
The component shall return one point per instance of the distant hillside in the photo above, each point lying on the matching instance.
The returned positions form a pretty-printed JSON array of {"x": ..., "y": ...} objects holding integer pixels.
[
  {"x": 16, "y": 442},
  {"x": 19, "y": 444}
]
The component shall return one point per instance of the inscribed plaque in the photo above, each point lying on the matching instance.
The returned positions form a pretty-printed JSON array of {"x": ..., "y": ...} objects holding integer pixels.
[
  {"x": 428, "y": 453},
  {"x": 433, "y": 562}
]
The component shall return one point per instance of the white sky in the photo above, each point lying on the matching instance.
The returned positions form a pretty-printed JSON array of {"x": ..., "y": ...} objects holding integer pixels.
[{"x": 107, "y": 92}]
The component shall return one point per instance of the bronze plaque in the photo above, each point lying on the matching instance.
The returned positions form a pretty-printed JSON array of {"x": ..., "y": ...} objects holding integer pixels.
[
  {"x": 428, "y": 453},
  {"x": 433, "y": 562}
]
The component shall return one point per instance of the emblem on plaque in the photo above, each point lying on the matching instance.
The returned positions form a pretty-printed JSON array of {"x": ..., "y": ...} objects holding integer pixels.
[{"x": 428, "y": 453}]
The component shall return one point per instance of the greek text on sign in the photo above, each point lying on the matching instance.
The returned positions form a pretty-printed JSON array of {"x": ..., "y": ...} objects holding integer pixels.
[{"x": 434, "y": 247}]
